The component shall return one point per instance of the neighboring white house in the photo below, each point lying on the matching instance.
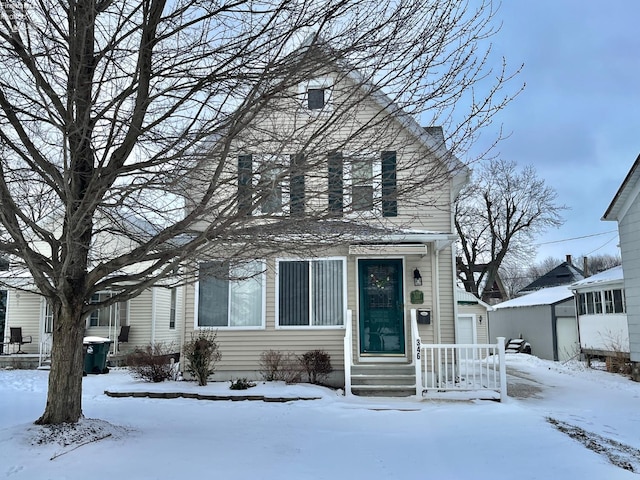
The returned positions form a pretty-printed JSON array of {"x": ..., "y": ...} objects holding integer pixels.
[
  {"x": 156, "y": 315},
  {"x": 545, "y": 318},
  {"x": 602, "y": 317},
  {"x": 625, "y": 209}
]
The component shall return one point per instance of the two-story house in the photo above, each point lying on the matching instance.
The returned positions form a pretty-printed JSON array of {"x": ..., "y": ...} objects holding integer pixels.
[{"x": 337, "y": 153}]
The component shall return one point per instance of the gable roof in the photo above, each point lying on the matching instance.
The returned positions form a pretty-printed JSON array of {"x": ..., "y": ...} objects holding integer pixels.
[
  {"x": 563, "y": 274},
  {"x": 431, "y": 137},
  {"x": 626, "y": 194},
  {"x": 544, "y": 296},
  {"x": 613, "y": 275}
]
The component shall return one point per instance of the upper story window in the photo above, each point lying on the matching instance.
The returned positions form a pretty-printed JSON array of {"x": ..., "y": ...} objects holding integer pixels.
[
  {"x": 363, "y": 182},
  {"x": 271, "y": 184},
  {"x": 316, "y": 98},
  {"x": 230, "y": 296},
  {"x": 317, "y": 94}
]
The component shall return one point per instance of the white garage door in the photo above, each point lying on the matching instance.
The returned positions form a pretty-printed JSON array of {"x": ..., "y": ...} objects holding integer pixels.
[{"x": 567, "y": 334}]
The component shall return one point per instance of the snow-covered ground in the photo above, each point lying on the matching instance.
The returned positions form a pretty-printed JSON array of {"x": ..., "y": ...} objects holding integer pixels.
[{"x": 333, "y": 437}]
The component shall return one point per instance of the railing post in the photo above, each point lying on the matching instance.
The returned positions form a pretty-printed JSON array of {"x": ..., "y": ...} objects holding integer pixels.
[
  {"x": 417, "y": 353},
  {"x": 503, "y": 369},
  {"x": 348, "y": 353}
]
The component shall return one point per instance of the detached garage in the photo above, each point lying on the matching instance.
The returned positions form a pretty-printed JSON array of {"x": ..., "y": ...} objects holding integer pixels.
[
  {"x": 471, "y": 326},
  {"x": 545, "y": 318}
]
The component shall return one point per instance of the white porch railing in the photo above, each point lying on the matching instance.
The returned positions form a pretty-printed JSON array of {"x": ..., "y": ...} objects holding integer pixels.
[
  {"x": 348, "y": 352},
  {"x": 44, "y": 352},
  {"x": 459, "y": 367}
]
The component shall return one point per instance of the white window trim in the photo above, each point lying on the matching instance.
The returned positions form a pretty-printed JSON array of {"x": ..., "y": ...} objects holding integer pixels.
[
  {"x": 257, "y": 160},
  {"x": 376, "y": 182},
  {"x": 583, "y": 294},
  {"x": 262, "y": 326},
  {"x": 307, "y": 327},
  {"x": 325, "y": 83},
  {"x": 45, "y": 308}
]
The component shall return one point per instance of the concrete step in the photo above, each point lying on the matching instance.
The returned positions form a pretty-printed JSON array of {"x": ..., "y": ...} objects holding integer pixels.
[
  {"x": 382, "y": 369},
  {"x": 383, "y": 390},
  {"x": 390, "y": 380},
  {"x": 383, "y": 380}
]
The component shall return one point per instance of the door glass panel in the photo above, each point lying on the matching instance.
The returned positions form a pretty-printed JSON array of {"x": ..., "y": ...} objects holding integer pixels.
[{"x": 381, "y": 308}]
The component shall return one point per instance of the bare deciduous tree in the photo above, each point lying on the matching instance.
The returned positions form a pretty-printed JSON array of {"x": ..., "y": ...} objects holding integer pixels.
[
  {"x": 112, "y": 111},
  {"x": 497, "y": 216}
]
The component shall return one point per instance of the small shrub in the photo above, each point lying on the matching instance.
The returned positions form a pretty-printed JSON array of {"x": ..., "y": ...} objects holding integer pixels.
[
  {"x": 618, "y": 360},
  {"x": 317, "y": 364},
  {"x": 271, "y": 362},
  {"x": 291, "y": 371},
  {"x": 202, "y": 353},
  {"x": 152, "y": 363},
  {"x": 241, "y": 384},
  {"x": 278, "y": 366}
]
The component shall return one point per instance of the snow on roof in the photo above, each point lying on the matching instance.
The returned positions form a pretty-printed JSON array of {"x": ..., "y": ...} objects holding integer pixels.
[
  {"x": 464, "y": 296},
  {"x": 544, "y": 296},
  {"x": 613, "y": 275}
]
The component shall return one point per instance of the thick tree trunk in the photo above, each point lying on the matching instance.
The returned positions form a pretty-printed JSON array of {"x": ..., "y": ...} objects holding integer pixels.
[{"x": 64, "y": 397}]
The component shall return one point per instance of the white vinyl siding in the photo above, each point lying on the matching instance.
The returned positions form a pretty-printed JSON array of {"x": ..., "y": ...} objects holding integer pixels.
[{"x": 629, "y": 228}]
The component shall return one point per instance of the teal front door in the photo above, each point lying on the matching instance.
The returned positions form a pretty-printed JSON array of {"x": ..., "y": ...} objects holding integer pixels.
[{"x": 381, "y": 310}]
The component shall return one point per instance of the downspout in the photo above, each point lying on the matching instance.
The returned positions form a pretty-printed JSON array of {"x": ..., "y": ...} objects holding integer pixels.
[
  {"x": 435, "y": 277},
  {"x": 455, "y": 298}
]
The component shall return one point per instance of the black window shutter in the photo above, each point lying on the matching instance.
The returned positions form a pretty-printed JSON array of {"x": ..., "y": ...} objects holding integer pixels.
[
  {"x": 293, "y": 302},
  {"x": 245, "y": 165},
  {"x": 297, "y": 185},
  {"x": 389, "y": 187},
  {"x": 335, "y": 171}
]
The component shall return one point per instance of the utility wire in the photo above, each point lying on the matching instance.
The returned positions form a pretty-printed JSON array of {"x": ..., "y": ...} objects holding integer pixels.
[
  {"x": 603, "y": 245},
  {"x": 578, "y": 238}
]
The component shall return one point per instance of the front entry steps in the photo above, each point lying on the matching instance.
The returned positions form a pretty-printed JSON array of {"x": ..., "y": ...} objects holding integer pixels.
[{"x": 383, "y": 380}]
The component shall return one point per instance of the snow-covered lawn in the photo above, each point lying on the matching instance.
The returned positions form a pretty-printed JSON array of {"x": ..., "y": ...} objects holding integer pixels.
[{"x": 333, "y": 437}]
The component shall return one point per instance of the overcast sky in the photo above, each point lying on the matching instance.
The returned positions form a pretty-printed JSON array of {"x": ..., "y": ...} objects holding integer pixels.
[{"x": 578, "y": 119}]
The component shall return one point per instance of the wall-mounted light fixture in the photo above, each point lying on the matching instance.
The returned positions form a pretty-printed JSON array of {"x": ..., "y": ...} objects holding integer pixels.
[
  {"x": 480, "y": 319},
  {"x": 417, "y": 278}
]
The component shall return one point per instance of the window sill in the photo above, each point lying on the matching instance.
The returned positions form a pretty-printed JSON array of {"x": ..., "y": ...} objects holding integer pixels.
[
  {"x": 310, "y": 327},
  {"x": 227, "y": 329}
]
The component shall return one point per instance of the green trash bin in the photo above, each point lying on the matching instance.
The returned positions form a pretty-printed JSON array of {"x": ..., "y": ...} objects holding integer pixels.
[{"x": 95, "y": 350}]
